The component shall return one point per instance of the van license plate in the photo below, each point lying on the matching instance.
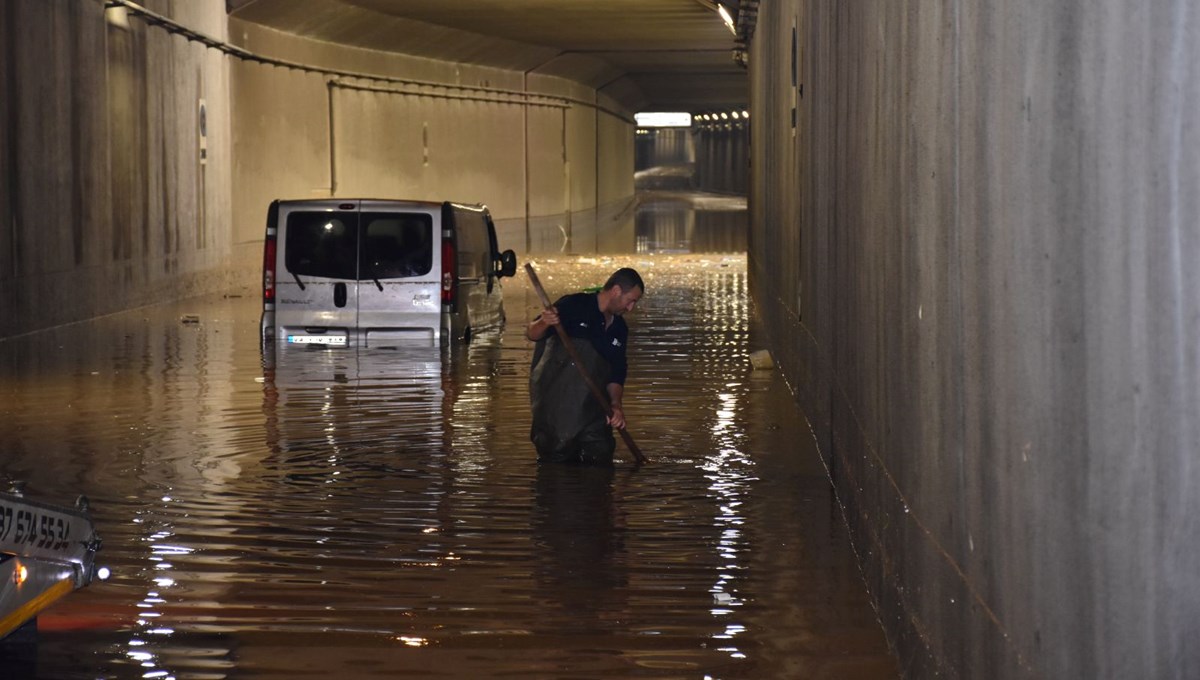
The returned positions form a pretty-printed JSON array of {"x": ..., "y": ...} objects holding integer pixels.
[{"x": 339, "y": 340}]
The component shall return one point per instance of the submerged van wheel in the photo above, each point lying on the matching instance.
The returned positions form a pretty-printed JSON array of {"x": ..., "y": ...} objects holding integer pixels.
[{"x": 467, "y": 334}]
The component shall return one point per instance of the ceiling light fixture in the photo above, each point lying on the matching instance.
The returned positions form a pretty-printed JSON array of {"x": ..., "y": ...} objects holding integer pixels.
[
  {"x": 657, "y": 119},
  {"x": 727, "y": 18}
]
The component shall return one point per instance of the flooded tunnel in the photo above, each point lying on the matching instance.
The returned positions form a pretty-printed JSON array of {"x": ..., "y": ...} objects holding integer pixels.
[
  {"x": 272, "y": 509},
  {"x": 375, "y": 511},
  {"x": 914, "y": 367}
]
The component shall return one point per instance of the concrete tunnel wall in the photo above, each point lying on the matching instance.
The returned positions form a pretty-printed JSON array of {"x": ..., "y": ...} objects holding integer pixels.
[
  {"x": 108, "y": 201},
  {"x": 550, "y": 171},
  {"x": 973, "y": 257},
  {"x": 105, "y": 203},
  {"x": 722, "y": 156}
]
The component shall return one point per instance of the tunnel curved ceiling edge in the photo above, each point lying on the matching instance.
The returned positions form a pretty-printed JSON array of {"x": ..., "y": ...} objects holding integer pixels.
[{"x": 664, "y": 55}]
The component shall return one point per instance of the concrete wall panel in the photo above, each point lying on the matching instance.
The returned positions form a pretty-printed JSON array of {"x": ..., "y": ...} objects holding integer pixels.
[
  {"x": 721, "y": 155},
  {"x": 398, "y": 145},
  {"x": 582, "y": 138},
  {"x": 534, "y": 165},
  {"x": 971, "y": 255},
  {"x": 8, "y": 161},
  {"x": 615, "y": 207},
  {"x": 548, "y": 179},
  {"x": 107, "y": 205}
]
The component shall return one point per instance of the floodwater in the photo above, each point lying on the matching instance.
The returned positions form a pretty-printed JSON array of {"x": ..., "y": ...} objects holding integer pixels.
[
  {"x": 377, "y": 513},
  {"x": 690, "y": 222}
]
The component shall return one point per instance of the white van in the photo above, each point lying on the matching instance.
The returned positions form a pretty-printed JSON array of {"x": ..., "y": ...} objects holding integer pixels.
[{"x": 370, "y": 272}]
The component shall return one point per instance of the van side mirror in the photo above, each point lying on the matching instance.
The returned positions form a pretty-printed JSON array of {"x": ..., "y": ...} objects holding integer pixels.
[{"x": 508, "y": 264}]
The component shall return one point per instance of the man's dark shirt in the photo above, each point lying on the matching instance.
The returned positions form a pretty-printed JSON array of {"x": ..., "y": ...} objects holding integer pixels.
[{"x": 581, "y": 317}]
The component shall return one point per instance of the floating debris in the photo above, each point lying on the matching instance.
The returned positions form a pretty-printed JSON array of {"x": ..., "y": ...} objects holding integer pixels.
[{"x": 761, "y": 360}]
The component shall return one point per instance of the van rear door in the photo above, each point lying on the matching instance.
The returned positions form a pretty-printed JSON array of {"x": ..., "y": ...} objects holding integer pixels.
[
  {"x": 316, "y": 298},
  {"x": 399, "y": 286}
]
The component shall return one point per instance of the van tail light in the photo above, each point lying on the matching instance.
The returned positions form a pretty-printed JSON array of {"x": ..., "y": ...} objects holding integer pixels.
[
  {"x": 449, "y": 273},
  {"x": 269, "y": 269}
]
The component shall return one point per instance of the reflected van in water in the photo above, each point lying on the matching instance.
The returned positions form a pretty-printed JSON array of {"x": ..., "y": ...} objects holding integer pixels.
[{"x": 377, "y": 512}]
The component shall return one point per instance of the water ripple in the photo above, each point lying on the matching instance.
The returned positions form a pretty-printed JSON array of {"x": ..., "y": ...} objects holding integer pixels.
[{"x": 377, "y": 512}]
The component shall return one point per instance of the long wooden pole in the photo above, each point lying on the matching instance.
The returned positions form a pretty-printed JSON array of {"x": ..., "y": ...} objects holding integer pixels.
[{"x": 638, "y": 456}]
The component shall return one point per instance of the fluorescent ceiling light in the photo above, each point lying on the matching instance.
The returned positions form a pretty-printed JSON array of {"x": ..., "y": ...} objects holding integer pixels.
[
  {"x": 663, "y": 119},
  {"x": 726, "y": 18}
]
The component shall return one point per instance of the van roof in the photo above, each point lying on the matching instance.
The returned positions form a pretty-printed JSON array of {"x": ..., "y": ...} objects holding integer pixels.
[{"x": 348, "y": 203}]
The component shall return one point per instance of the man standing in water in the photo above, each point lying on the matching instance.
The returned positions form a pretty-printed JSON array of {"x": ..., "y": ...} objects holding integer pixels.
[{"x": 569, "y": 426}]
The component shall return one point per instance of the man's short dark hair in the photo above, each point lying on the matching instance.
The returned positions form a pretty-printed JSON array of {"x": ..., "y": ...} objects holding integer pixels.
[{"x": 627, "y": 279}]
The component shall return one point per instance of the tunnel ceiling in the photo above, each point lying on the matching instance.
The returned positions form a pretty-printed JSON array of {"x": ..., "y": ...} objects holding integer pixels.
[{"x": 650, "y": 55}]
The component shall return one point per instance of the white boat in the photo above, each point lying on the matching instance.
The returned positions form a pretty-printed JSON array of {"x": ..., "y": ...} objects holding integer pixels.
[{"x": 46, "y": 551}]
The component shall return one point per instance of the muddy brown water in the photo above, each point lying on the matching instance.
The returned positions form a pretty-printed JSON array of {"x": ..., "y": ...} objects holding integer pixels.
[{"x": 377, "y": 513}]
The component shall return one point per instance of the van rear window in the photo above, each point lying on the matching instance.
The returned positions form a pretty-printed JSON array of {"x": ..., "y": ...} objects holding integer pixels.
[
  {"x": 396, "y": 245},
  {"x": 321, "y": 244}
]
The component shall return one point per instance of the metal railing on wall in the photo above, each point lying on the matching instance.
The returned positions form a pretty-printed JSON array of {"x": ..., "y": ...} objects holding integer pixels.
[
  {"x": 443, "y": 90},
  {"x": 397, "y": 88}
]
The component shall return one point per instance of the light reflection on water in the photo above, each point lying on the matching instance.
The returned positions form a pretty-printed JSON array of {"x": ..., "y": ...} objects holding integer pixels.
[
  {"x": 377, "y": 512},
  {"x": 690, "y": 222}
]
